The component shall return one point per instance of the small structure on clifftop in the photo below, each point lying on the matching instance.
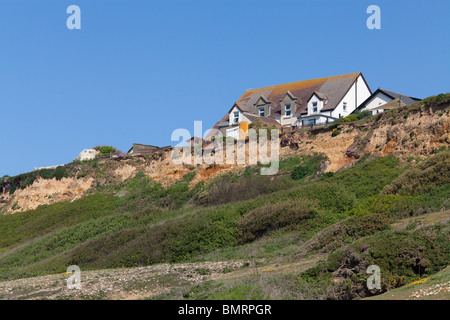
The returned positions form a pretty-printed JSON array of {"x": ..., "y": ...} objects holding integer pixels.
[{"x": 87, "y": 154}]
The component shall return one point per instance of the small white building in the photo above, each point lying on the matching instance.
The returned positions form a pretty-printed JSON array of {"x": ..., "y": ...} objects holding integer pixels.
[
  {"x": 381, "y": 97},
  {"x": 87, "y": 154}
]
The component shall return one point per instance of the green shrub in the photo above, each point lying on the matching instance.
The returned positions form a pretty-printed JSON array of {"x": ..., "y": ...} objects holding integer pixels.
[
  {"x": 335, "y": 132},
  {"x": 350, "y": 118},
  {"x": 348, "y": 231},
  {"x": 271, "y": 217},
  {"x": 309, "y": 166},
  {"x": 368, "y": 177},
  {"x": 363, "y": 114},
  {"x": 436, "y": 100},
  {"x": 434, "y": 171},
  {"x": 225, "y": 190},
  {"x": 335, "y": 124},
  {"x": 301, "y": 172},
  {"x": 59, "y": 173},
  {"x": 106, "y": 149}
]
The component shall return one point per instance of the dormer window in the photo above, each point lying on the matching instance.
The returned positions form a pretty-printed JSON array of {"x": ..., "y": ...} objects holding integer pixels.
[
  {"x": 287, "y": 109},
  {"x": 236, "y": 116},
  {"x": 261, "y": 112},
  {"x": 314, "y": 104}
]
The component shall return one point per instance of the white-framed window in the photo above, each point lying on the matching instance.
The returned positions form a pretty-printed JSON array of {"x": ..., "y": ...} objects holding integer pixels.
[
  {"x": 345, "y": 106},
  {"x": 314, "y": 104},
  {"x": 261, "y": 112},
  {"x": 236, "y": 116},
  {"x": 287, "y": 109}
]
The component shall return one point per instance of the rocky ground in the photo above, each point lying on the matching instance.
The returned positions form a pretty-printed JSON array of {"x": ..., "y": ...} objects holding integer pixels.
[{"x": 123, "y": 284}]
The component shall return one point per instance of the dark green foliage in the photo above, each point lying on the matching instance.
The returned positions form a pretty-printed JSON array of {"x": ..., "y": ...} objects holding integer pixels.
[
  {"x": 275, "y": 216},
  {"x": 350, "y": 118},
  {"x": 301, "y": 172},
  {"x": 225, "y": 190},
  {"x": 328, "y": 174},
  {"x": 335, "y": 132},
  {"x": 309, "y": 166},
  {"x": 348, "y": 231},
  {"x": 368, "y": 177},
  {"x": 436, "y": 100},
  {"x": 335, "y": 125},
  {"x": 106, "y": 149},
  {"x": 433, "y": 172},
  {"x": 363, "y": 114},
  {"x": 401, "y": 255}
]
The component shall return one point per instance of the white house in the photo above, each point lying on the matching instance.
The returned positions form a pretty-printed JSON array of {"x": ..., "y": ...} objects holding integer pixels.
[
  {"x": 381, "y": 97},
  {"x": 301, "y": 103}
]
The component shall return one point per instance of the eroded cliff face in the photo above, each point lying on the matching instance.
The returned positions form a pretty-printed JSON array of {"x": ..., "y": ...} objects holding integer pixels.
[
  {"x": 104, "y": 173},
  {"x": 45, "y": 191},
  {"x": 405, "y": 133}
]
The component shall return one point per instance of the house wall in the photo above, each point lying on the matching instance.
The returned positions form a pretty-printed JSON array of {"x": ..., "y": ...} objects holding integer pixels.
[
  {"x": 376, "y": 101},
  {"x": 363, "y": 92},
  {"x": 231, "y": 116},
  {"x": 261, "y": 104},
  {"x": 287, "y": 100},
  {"x": 313, "y": 99},
  {"x": 307, "y": 121},
  {"x": 287, "y": 121}
]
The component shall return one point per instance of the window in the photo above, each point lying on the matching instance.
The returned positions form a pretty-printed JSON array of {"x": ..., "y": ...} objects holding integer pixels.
[
  {"x": 287, "y": 109},
  {"x": 261, "y": 112},
  {"x": 236, "y": 116},
  {"x": 345, "y": 106},
  {"x": 314, "y": 107}
]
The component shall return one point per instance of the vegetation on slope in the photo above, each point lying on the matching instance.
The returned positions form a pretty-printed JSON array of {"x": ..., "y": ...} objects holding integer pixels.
[{"x": 347, "y": 214}]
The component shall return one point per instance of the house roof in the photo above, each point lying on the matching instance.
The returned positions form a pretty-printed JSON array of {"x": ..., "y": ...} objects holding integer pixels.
[
  {"x": 394, "y": 104},
  {"x": 142, "y": 147},
  {"x": 331, "y": 88},
  {"x": 407, "y": 100},
  {"x": 268, "y": 120},
  {"x": 334, "y": 88}
]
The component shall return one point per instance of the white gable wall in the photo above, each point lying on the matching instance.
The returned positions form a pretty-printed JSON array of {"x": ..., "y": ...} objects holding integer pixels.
[
  {"x": 363, "y": 93},
  {"x": 313, "y": 99},
  {"x": 376, "y": 101},
  {"x": 231, "y": 115}
]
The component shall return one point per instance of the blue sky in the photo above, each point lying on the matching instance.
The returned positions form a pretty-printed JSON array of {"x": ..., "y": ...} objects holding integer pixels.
[{"x": 137, "y": 70}]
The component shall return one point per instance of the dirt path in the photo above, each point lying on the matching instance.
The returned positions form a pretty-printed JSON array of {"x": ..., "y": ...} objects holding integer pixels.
[{"x": 142, "y": 282}]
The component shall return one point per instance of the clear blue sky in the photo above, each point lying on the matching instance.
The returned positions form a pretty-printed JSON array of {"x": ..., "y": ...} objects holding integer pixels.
[{"x": 137, "y": 70}]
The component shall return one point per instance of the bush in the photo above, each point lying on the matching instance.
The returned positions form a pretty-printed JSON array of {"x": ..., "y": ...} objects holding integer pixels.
[
  {"x": 301, "y": 172},
  {"x": 271, "y": 217},
  {"x": 335, "y": 132},
  {"x": 309, "y": 166},
  {"x": 347, "y": 231},
  {"x": 363, "y": 114},
  {"x": 369, "y": 176},
  {"x": 433, "y": 172},
  {"x": 436, "y": 100},
  {"x": 225, "y": 190},
  {"x": 106, "y": 149},
  {"x": 350, "y": 118}
]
